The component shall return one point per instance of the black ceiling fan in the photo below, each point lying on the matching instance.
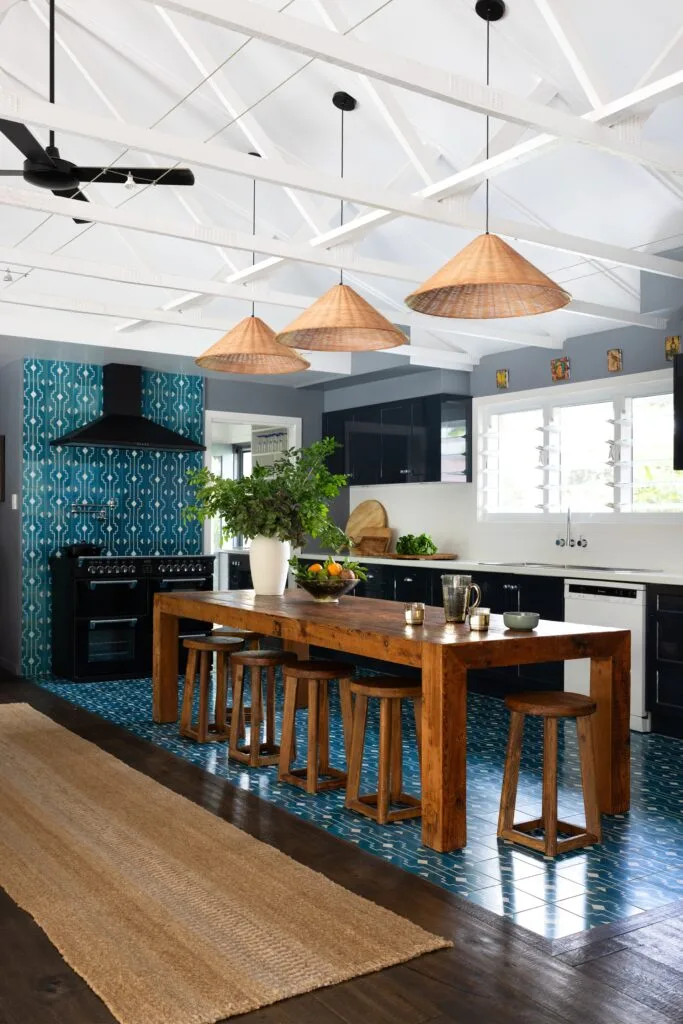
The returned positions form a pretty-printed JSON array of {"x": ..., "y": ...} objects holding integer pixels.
[{"x": 45, "y": 168}]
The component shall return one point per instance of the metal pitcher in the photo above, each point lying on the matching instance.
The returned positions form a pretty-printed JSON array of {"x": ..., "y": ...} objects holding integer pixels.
[{"x": 458, "y": 599}]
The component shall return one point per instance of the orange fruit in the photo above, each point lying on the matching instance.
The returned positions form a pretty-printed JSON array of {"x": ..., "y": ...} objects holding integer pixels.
[
  {"x": 315, "y": 568},
  {"x": 334, "y": 569}
]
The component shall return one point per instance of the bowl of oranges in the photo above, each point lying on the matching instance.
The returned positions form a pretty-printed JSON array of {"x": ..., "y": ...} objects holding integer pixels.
[{"x": 328, "y": 580}]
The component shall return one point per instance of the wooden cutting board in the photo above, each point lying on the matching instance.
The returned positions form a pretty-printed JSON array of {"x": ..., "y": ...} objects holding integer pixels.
[
  {"x": 368, "y": 515},
  {"x": 442, "y": 556}
]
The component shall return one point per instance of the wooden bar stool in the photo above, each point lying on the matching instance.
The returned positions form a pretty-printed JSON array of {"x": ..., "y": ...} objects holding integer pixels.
[
  {"x": 251, "y": 638},
  {"x": 318, "y": 773},
  {"x": 390, "y": 692},
  {"x": 202, "y": 649},
  {"x": 256, "y": 754},
  {"x": 550, "y": 707}
]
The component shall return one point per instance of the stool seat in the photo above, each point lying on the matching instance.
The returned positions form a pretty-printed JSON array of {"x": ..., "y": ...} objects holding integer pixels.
[
  {"x": 553, "y": 704},
  {"x": 390, "y": 691},
  {"x": 263, "y": 659},
  {"x": 319, "y": 670},
  {"x": 250, "y": 635},
  {"x": 213, "y": 644},
  {"x": 550, "y": 707},
  {"x": 386, "y": 686}
]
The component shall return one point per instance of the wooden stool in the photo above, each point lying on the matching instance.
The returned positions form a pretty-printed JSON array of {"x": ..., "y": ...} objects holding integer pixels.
[
  {"x": 318, "y": 773},
  {"x": 550, "y": 707},
  {"x": 203, "y": 648},
  {"x": 252, "y": 642},
  {"x": 257, "y": 754},
  {"x": 390, "y": 692}
]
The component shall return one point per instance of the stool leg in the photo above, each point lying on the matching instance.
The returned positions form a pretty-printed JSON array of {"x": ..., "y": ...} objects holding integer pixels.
[
  {"x": 270, "y": 706},
  {"x": 188, "y": 692},
  {"x": 356, "y": 750},
  {"x": 346, "y": 702},
  {"x": 312, "y": 755},
  {"x": 584, "y": 729},
  {"x": 324, "y": 727},
  {"x": 549, "y": 811},
  {"x": 508, "y": 796},
  {"x": 255, "y": 735},
  {"x": 288, "y": 727},
  {"x": 236, "y": 720},
  {"x": 204, "y": 670},
  {"x": 384, "y": 761},
  {"x": 221, "y": 692},
  {"x": 396, "y": 772}
]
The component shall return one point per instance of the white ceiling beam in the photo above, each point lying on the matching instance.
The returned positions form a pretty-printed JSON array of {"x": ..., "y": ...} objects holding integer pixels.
[
  {"x": 420, "y": 156},
  {"x": 45, "y": 202},
  {"x": 572, "y": 49},
  {"x": 276, "y": 172},
  {"x": 300, "y": 36},
  {"x": 235, "y": 107}
]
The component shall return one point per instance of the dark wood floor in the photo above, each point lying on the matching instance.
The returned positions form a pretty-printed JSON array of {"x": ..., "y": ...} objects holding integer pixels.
[{"x": 496, "y": 973}]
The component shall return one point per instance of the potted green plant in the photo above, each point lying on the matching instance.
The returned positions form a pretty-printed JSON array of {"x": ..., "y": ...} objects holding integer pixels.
[{"x": 277, "y": 507}]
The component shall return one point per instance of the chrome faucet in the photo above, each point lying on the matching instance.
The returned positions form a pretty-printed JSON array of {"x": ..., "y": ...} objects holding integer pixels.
[{"x": 568, "y": 541}]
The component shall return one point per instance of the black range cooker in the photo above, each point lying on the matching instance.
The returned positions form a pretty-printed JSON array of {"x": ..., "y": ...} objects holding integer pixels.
[{"x": 102, "y": 610}]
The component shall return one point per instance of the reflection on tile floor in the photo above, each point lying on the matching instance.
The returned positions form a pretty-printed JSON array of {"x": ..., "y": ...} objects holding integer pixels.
[{"x": 638, "y": 867}]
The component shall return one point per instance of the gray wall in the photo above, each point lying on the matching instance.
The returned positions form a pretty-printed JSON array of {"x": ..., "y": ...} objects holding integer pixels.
[
  {"x": 268, "y": 399},
  {"x": 530, "y": 367},
  {"x": 11, "y": 419},
  {"x": 432, "y": 382}
]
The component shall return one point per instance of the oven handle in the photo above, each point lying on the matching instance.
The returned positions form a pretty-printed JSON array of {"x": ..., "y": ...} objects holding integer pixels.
[
  {"x": 131, "y": 584},
  {"x": 193, "y": 579},
  {"x": 95, "y": 623}
]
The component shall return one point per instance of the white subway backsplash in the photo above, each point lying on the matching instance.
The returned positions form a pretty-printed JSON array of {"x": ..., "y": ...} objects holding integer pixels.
[{"x": 448, "y": 512}]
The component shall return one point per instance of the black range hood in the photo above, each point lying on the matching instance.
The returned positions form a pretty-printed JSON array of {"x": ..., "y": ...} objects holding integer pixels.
[{"x": 122, "y": 424}]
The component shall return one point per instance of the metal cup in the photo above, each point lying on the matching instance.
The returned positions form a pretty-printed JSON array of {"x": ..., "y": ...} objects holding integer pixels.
[{"x": 457, "y": 597}]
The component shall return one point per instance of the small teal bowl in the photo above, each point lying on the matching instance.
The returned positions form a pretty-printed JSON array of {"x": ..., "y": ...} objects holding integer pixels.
[{"x": 521, "y": 620}]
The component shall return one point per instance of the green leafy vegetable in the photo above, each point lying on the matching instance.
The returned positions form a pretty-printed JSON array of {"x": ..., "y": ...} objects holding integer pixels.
[{"x": 409, "y": 544}]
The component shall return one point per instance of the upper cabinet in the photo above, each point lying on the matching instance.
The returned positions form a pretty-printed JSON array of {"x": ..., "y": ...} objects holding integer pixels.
[{"x": 407, "y": 441}]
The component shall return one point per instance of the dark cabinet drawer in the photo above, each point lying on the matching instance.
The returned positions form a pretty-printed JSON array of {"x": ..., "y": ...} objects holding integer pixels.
[
  {"x": 669, "y": 687},
  {"x": 664, "y": 658},
  {"x": 669, "y": 638},
  {"x": 413, "y": 584}
]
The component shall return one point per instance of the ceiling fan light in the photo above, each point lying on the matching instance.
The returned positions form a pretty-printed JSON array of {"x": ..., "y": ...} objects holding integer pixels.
[
  {"x": 342, "y": 321},
  {"x": 487, "y": 279},
  {"x": 251, "y": 347}
]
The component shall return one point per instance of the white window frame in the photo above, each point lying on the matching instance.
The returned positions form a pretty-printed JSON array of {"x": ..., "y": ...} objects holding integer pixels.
[{"x": 603, "y": 390}]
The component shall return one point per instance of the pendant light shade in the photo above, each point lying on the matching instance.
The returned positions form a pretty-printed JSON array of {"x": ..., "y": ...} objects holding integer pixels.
[
  {"x": 251, "y": 347},
  {"x": 341, "y": 321},
  {"x": 486, "y": 280}
]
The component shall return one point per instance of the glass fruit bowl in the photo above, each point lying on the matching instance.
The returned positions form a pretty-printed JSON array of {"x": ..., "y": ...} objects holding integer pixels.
[{"x": 327, "y": 590}]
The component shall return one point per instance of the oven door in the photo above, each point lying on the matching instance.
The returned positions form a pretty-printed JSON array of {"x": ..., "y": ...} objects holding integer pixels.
[
  {"x": 186, "y": 627},
  {"x": 111, "y": 598},
  {"x": 112, "y": 647}
]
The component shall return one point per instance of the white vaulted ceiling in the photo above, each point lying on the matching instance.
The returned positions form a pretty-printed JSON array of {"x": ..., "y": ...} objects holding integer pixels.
[{"x": 590, "y": 198}]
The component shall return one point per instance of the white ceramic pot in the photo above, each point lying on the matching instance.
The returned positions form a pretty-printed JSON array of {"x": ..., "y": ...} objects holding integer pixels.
[{"x": 268, "y": 560}]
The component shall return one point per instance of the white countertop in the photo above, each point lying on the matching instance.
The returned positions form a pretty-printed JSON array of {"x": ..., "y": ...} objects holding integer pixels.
[{"x": 576, "y": 572}]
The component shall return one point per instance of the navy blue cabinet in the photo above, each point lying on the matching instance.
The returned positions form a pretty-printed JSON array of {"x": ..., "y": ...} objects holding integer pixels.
[
  {"x": 664, "y": 653},
  {"x": 406, "y": 441}
]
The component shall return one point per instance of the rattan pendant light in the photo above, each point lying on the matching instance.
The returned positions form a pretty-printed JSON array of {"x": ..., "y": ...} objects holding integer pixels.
[
  {"x": 251, "y": 346},
  {"x": 341, "y": 320},
  {"x": 488, "y": 278}
]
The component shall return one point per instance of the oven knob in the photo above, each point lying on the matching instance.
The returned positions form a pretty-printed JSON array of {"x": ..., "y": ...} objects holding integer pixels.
[
  {"x": 91, "y": 569},
  {"x": 108, "y": 570},
  {"x": 162, "y": 568}
]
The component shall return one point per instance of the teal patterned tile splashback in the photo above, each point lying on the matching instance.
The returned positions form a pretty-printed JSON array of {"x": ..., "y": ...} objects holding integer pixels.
[{"x": 142, "y": 492}]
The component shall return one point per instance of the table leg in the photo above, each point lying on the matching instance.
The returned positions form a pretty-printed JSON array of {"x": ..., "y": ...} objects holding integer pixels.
[
  {"x": 444, "y": 749},
  {"x": 165, "y": 667},
  {"x": 611, "y": 690}
]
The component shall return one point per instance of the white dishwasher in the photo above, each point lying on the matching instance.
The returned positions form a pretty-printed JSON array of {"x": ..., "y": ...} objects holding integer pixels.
[{"x": 609, "y": 603}]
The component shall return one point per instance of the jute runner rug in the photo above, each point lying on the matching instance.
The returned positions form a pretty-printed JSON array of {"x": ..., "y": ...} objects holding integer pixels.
[{"x": 171, "y": 915}]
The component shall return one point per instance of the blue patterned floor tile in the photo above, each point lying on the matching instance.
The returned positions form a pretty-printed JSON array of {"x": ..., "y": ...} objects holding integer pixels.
[
  {"x": 550, "y": 921},
  {"x": 639, "y": 865}
]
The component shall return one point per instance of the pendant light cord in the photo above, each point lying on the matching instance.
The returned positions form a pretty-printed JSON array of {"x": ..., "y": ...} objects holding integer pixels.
[
  {"x": 253, "y": 232},
  {"x": 341, "y": 201},
  {"x": 52, "y": 62},
  {"x": 488, "y": 82}
]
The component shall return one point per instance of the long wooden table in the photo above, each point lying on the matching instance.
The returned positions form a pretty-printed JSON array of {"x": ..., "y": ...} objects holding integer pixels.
[{"x": 444, "y": 653}]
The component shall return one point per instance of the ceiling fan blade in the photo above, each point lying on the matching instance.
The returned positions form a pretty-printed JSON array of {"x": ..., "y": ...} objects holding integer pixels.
[
  {"x": 19, "y": 135},
  {"x": 140, "y": 175},
  {"x": 72, "y": 193}
]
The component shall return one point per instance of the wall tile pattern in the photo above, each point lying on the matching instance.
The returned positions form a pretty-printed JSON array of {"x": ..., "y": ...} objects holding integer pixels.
[{"x": 147, "y": 489}]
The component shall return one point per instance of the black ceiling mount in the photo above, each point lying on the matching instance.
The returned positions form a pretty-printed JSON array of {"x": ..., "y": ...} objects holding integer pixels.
[
  {"x": 343, "y": 101},
  {"x": 490, "y": 10},
  {"x": 252, "y": 153}
]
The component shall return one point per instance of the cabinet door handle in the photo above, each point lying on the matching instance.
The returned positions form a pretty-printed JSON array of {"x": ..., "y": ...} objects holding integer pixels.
[{"x": 408, "y": 579}]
